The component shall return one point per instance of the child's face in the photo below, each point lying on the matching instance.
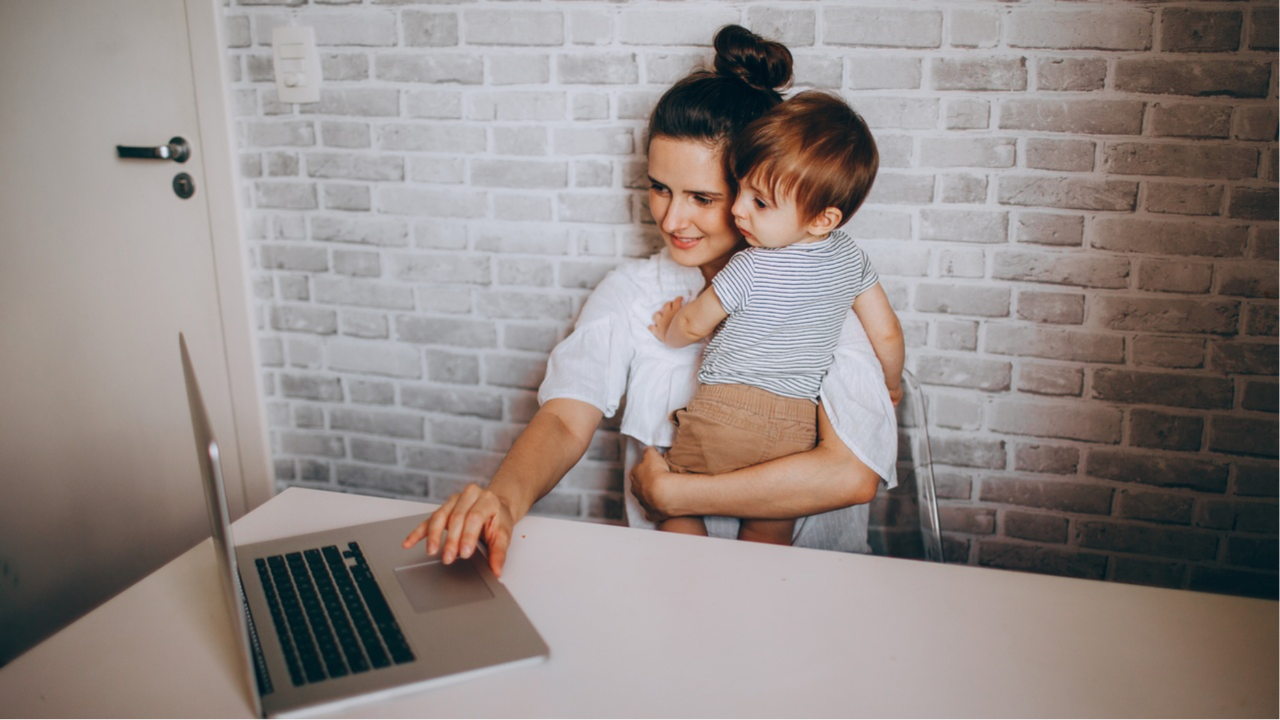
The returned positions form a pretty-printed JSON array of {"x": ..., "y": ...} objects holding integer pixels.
[{"x": 768, "y": 221}]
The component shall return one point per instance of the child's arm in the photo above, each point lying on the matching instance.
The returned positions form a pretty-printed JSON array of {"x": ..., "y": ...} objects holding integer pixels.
[
  {"x": 882, "y": 326},
  {"x": 678, "y": 326}
]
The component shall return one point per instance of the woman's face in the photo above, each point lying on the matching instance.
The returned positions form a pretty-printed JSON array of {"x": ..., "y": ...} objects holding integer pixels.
[{"x": 691, "y": 202}]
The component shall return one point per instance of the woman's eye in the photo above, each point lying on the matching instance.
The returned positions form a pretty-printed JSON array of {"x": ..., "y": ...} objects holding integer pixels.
[
  {"x": 702, "y": 200},
  {"x": 655, "y": 187}
]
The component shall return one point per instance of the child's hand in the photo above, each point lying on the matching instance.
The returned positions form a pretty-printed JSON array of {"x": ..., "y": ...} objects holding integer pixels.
[
  {"x": 662, "y": 319},
  {"x": 895, "y": 395}
]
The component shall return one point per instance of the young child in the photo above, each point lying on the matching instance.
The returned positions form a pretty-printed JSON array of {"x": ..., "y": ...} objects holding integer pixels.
[{"x": 803, "y": 169}]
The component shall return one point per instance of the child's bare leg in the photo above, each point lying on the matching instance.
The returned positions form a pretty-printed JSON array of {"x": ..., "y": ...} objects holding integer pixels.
[
  {"x": 686, "y": 525},
  {"x": 777, "y": 532}
]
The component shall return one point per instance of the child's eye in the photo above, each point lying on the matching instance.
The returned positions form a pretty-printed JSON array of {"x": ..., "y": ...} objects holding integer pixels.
[{"x": 760, "y": 204}]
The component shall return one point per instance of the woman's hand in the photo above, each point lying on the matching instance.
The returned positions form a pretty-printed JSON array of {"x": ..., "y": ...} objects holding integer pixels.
[
  {"x": 646, "y": 479},
  {"x": 463, "y": 520}
]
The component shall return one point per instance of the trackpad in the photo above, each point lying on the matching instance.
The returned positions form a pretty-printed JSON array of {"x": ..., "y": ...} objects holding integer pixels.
[{"x": 435, "y": 586}]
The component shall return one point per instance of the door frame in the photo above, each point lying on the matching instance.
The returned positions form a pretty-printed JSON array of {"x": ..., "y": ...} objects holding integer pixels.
[{"x": 250, "y": 484}]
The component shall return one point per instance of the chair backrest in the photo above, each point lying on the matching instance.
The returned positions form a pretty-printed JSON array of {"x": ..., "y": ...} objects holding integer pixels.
[{"x": 913, "y": 427}]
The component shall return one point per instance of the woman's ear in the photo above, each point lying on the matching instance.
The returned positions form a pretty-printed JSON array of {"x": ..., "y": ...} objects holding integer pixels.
[{"x": 827, "y": 220}]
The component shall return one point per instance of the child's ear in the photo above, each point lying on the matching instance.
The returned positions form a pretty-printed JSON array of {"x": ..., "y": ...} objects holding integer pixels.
[{"x": 827, "y": 220}]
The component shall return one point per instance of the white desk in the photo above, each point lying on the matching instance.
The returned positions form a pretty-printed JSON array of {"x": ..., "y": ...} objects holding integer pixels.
[{"x": 653, "y": 624}]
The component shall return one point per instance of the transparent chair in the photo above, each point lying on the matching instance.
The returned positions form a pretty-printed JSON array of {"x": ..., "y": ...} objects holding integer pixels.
[{"x": 915, "y": 464}]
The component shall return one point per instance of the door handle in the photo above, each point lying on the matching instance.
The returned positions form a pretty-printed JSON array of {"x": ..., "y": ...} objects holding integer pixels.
[{"x": 177, "y": 150}]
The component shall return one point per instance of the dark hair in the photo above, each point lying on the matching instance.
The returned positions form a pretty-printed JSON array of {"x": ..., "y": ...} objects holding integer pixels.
[
  {"x": 813, "y": 147},
  {"x": 712, "y": 107}
]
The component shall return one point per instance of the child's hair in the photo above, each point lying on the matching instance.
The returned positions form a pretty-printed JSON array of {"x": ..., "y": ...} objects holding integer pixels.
[
  {"x": 712, "y": 107},
  {"x": 813, "y": 145}
]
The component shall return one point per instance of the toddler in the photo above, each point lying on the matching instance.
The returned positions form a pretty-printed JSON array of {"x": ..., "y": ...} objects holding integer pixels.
[{"x": 803, "y": 169}]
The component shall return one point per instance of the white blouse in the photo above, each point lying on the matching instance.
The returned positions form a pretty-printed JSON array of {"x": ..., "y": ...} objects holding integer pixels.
[{"x": 611, "y": 353}]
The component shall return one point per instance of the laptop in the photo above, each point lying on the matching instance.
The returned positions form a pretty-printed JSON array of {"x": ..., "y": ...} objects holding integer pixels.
[{"x": 343, "y": 616}]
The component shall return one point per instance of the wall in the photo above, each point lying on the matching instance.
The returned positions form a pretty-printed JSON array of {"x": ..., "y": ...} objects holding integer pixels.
[{"x": 1075, "y": 218}]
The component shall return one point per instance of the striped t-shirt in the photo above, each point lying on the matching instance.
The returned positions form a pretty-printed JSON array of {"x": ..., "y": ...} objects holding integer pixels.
[{"x": 786, "y": 308}]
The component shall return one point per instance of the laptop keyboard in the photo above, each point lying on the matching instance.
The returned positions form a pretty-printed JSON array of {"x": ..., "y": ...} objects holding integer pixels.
[{"x": 332, "y": 618}]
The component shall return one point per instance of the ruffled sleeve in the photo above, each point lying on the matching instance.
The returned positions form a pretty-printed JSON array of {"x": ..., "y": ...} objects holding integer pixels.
[
  {"x": 593, "y": 363},
  {"x": 857, "y": 402}
]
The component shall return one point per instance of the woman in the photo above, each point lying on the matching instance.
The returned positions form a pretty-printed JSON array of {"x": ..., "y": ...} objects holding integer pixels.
[{"x": 611, "y": 353}]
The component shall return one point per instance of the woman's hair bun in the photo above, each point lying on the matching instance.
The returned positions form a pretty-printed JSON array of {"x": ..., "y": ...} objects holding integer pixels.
[{"x": 760, "y": 63}]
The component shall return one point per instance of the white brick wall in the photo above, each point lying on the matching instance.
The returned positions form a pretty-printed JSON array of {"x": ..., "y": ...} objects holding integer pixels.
[{"x": 1075, "y": 218}]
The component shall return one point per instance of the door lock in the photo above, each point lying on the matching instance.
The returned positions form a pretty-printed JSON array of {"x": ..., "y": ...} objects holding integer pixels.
[{"x": 177, "y": 150}]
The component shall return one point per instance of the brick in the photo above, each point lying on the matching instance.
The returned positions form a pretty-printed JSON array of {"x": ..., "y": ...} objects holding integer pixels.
[
  {"x": 1071, "y": 74},
  {"x": 963, "y": 300},
  {"x": 1061, "y": 268},
  {"x": 1183, "y": 161},
  {"x": 968, "y": 152},
  {"x": 312, "y": 444},
  {"x": 885, "y": 73},
  {"x": 432, "y": 138},
  {"x": 1149, "y": 572},
  {"x": 1231, "y": 78},
  {"x": 453, "y": 401},
  {"x": 590, "y": 27},
  {"x": 446, "y": 331},
  {"x": 1058, "y": 308},
  {"x": 1037, "y": 527},
  {"x": 1105, "y": 28},
  {"x": 1063, "y": 155},
  {"x": 899, "y": 113},
  {"x": 1158, "y": 237},
  {"x": 1263, "y": 29},
  {"x": 1059, "y": 495},
  {"x": 993, "y": 73},
  {"x": 1178, "y": 199},
  {"x": 962, "y": 188},
  {"x": 1244, "y": 358},
  {"x": 1256, "y": 480},
  {"x": 1256, "y": 123},
  {"x": 793, "y": 28},
  {"x": 1192, "y": 30},
  {"x": 282, "y": 164},
  {"x": 365, "y": 29},
  {"x": 374, "y": 359},
  {"x": 1165, "y": 431},
  {"x": 346, "y": 197},
  {"x": 363, "y": 293},
  {"x": 1243, "y": 436},
  {"x": 525, "y": 306},
  {"x": 949, "y": 335},
  {"x": 971, "y": 520},
  {"x": 1088, "y": 117},
  {"x": 458, "y": 434},
  {"x": 882, "y": 27},
  {"x": 1041, "y": 559},
  {"x": 1067, "y": 193},
  {"x": 964, "y": 226},
  {"x": 1174, "y": 276},
  {"x": 285, "y": 195},
  {"x": 384, "y": 424},
  {"x": 1047, "y": 229},
  {"x": 1248, "y": 203},
  {"x": 968, "y": 451},
  {"x": 968, "y": 114},
  {"x": 281, "y": 134},
  {"x": 1164, "y": 508},
  {"x": 674, "y": 26},
  {"x": 1167, "y": 314},
  {"x": 1068, "y": 421},
  {"x": 364, "y": 325},
  {"x": 957, "y": 413},
  {"x": 373, "y": 451},
  {"x": 432, "y": 68},
  {"x": 987, "y": 375},
  {"x": 304, "y": 319},
  {"x": 426, "y": 202},
  {"x": 1143, "y": 540},
  {"x": 1189, "y": 120},
  {"x": 360, "y": 264},
  {"x": 593, "y": 141},
  {"x": 311, "y": 387},
  {"x": 433, "y": 104},
  {"x": 594, "y": 208},
  {"x": 429, "y": 29},
  {"x": 1050, "y": 459},
  {"x": 358, "y": 102},
  {"x": 819, "y": 71},
  {"x": 972, "y": 264},
  {"x": 1055, "y": 380},
  {"x": 1054, "y": 343},
  {"x": 514, "y": 27},
  {"x": 1158, "y": 469},
  {"x": 1174, "y": 390},
  {"x": 344, "y": 67},
  {"x": 531, "y": 338},
  {"x": 355, "y": 167},
  {"x": 598, "y": 68},
  {"x": 877, "y": 224},
  {"x": 902, "y": 189},
  {"x": 531, "y": 105},
  {"x": 1260, "y": 396},
  {"x": 974, "y": 28},
  {"x": 361, "y": 231},
  {"x": 1233, "y": 582},
  {"x": 293, "y": 257},
  {"x": 1262, "y": 320},
  {"x": 511, "y": 173},
  {"x": 1252, "y": 552},
  {"x": 453, "y": 461},
  {"x": 453, "y": 367}
]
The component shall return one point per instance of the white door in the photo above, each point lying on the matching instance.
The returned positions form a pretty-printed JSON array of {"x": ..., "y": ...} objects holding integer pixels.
[{"x": 101, "y": 265}]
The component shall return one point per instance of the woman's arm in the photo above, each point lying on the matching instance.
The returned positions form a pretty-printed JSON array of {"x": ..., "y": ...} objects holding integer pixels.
[
  {"x": 825, "y": 478},
  {"x": 885, "y": 332},
  {"x": 545, "y": 450}
]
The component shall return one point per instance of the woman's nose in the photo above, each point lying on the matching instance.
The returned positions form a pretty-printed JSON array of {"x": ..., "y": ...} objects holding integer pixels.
[{"x": 675, "y": 219}]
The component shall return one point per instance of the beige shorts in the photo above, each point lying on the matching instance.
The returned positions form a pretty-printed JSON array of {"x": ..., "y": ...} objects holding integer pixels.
[{"x": 727, "y": 427}]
